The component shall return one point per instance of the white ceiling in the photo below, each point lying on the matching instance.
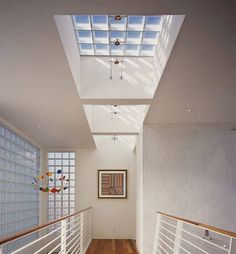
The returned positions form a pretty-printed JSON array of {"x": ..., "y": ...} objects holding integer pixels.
[
  {"x": 115, "y": 119},
  {"x": 36, "y": 84}
]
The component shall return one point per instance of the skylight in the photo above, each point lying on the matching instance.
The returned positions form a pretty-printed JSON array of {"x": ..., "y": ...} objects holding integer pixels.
[{"x": 117, "y": 35}]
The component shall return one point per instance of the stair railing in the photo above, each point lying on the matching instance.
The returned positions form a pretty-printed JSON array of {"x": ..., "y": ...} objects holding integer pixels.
[
  {"x": 175, "y": 235},
  {"x": 68, "y": 235}
]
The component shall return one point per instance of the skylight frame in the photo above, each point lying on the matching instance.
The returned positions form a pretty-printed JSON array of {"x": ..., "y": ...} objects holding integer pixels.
[{"x": 96, "y": 24}]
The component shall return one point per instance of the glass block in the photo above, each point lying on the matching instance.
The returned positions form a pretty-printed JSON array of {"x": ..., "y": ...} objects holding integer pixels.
[
  {"x": 147, "y": 50},
  {"x": 102, "y": 49},
  {"x": 150, "y": 37},
  {"x": 136, "y": 23},
  {"x": 86, "y": 49},
  {"x": 82, "y": 22},
  {"x": 153, "y": 23},
  {"x": 84, "y": 36},
  {"x": 120, "y": 35},
  {"x": 118, "y": 24},
  {"x": 65, "y": 155},
  {"x": 101, "y": 37},
  {"x": 72, "y": 155},
  {"x": 134, "y": 37},
  {"x": 99, "y": 22}
]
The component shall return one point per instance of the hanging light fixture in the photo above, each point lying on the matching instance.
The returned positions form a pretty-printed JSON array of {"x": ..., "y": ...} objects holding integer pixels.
[
  {"x": 116, "y": 61},
  {"x": 114, "y": 138},
  {"x": 115, "y": 112}
]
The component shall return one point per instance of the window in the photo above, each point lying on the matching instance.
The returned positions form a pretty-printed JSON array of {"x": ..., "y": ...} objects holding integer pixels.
[
  {"x": 19, "y": 202},
  {"x": 95, "y": 32},
  {"x": 62, "y": 165}
]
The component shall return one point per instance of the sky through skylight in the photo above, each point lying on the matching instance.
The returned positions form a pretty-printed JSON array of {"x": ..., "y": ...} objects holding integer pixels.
[{"x": 134, "y": 35}]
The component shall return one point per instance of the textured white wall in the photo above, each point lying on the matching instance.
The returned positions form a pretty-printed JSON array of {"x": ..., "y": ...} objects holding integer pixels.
[
  {"x": 112, "y": 218},
  {"x": 189, "y": 171}
]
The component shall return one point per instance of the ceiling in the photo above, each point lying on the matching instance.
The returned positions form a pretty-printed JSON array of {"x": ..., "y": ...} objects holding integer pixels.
[{"x": 37, "y": 86}]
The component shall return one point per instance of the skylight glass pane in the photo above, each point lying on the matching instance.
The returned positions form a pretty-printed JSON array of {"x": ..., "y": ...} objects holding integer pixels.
[
  {"x": 102, "y": 49},
  {"x": 101, "y": 37},
  {"x": 99, "y": 22},
  {"x": 147, "y": 50},
  {"x": 136, "y": 23},
  {"x": 137, "y": 30},
  {"x": 84, "y": 36},
  {"x": 153, "y": 23},
  {"x": 118, "y": 24},
  {"x": 117, "y": 50},
  {"x": 117, "y": 35},
  {"x": 134, "y": 37},
  {"x": 81, "y": 22},
  {"x": 150, "y": 37},
  {"x": 132, "y": 50},
  {"x": 86, "y": 49}
]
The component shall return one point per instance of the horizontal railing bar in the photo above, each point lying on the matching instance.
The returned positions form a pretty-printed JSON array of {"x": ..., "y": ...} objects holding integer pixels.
[
  {"x": 54, "y": 240},
  {"x": 163, "y": 249},
  {"x": 174, "y": 234},
  {"x": 51, "y": 251},
  {"x": 69, "y": 229},
  {"x": 68, "y": 223},
  {"x": 37, "y": 228},
  {"x": 209, "y": 242},
  {"x": 168, "y": 224},
  {"x": 78, "y": 247},
  {"x": 71, "y": 247},
  {"x": 201, "y": 225},
  {"x": 67, "y": 238},
  {"x": 184, "y": 249},
  {"x": 172, "y": 241},
  {"x": 193, "y": 245},
  {"x": 166, "y": 244}
]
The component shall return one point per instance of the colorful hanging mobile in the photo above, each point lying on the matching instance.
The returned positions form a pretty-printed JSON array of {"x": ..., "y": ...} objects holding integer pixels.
[{"x": 41, "y": 182}]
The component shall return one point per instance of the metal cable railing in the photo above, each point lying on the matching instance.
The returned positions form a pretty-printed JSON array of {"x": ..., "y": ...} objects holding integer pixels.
[
  {"x": 68, "y": 235},
  {"x": 176, "y": 235}
]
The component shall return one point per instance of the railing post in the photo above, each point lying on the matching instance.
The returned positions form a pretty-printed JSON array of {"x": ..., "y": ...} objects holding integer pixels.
[
  {"x": 157, "y": 229},
  {"x": 178, "y": 236},
  {"x": 232, "y": 247},
  {"x": 82, "y": 232},
  {"x": 63, "y": 237},
  {"x": 1, "y": 249}
]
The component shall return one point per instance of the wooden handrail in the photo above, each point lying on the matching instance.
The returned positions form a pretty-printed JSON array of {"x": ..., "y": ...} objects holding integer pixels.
[
  {"x": 205, "y": 226},
  {"x": 21, "y": 234}
]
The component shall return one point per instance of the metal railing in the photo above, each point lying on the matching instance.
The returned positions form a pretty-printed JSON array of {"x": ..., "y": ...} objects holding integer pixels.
[
  {"x": 68, "y": 235},
  {"x": 176, "y": 235}
]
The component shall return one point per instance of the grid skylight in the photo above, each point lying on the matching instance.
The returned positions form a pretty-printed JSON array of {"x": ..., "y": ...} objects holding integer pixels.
[{"x": 133, "y": 35}]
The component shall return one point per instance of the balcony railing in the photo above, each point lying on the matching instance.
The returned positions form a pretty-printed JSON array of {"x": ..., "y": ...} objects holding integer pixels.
[
  {"x": 70, "y": 234},
  {"x": 176, "y": 235}
]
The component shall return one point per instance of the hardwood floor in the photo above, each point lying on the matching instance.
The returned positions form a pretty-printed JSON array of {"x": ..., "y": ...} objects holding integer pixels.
[{"x": 113, "y": 246}]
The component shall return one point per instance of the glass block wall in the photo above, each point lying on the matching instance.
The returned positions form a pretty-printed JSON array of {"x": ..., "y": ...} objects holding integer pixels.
[
  {"x": 62, "y": 203},
  {"x": 19, "y": 164}
]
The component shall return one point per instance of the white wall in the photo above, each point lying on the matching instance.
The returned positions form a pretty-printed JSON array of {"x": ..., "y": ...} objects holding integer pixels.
[
  {"x": 189, "y": 171},
  {"x": 111, "y": 218}
]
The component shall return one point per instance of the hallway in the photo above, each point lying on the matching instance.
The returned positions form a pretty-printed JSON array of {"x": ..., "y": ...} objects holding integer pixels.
[{"x": 112, "y": 247}]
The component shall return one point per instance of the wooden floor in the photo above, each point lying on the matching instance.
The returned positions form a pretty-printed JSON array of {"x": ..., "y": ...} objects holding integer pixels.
[{"x": 112, "y": 247}]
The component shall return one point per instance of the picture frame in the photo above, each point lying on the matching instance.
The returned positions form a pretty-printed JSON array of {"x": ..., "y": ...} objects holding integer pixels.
[{"x": 112, "y": 183}]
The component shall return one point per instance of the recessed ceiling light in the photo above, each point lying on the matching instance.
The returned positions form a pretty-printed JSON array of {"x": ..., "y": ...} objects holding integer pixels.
[
  {"x": 114, "y": 138},
  {"x": 40, "y": 126},
  {"x": 118, "y": 17},
  {"x": 188, "y": 110}
]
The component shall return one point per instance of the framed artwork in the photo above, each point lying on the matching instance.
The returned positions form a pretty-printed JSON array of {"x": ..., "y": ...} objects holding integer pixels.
[{"x": 112, "y": 183}]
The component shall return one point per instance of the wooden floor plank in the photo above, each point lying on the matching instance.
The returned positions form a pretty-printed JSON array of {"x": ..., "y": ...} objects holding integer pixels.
[{"x": 112, "y": 246}]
